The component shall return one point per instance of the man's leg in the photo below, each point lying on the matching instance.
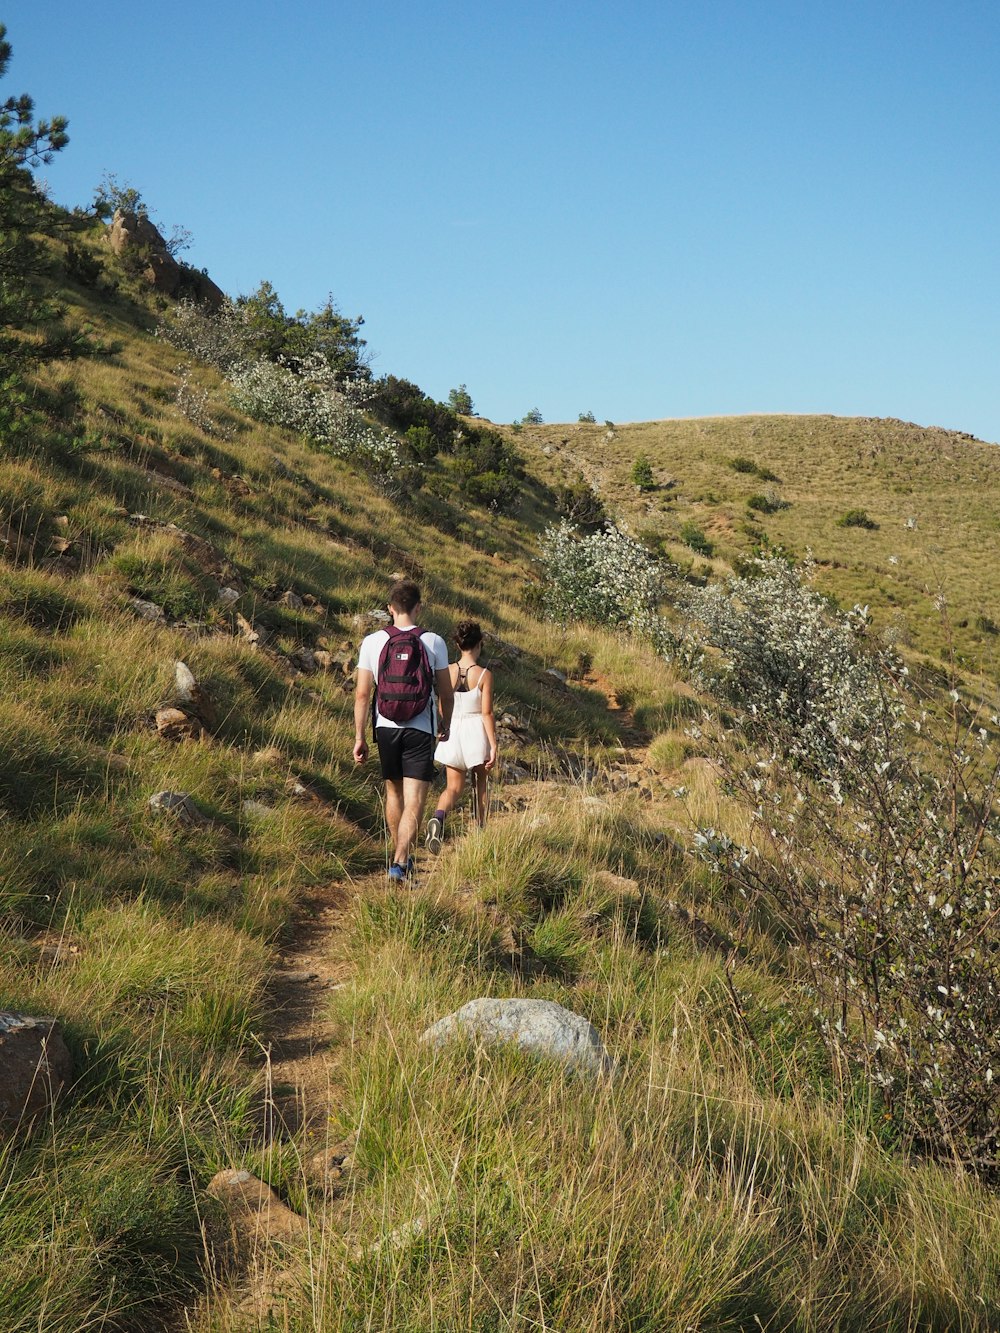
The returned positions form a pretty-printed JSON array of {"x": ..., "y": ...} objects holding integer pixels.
[
  {"x": 414, "y": 796},
  {"x": 394, "y": 810}
]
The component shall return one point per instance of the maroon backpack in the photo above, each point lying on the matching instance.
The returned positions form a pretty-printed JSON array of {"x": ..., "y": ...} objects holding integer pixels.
[{"x": 404, "y": 681}]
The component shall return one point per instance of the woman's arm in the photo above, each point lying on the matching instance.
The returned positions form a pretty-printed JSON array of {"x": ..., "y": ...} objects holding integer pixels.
[{"x": 489, "y": 723}]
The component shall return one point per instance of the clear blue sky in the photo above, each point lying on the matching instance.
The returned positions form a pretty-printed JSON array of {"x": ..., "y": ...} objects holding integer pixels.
[{"x": 641, "y": 209}]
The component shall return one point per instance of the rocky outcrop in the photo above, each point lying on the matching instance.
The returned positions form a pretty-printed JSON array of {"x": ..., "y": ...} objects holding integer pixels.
[
  {"x": 541, "y": 1027},
  {"x": 35, "y": 1064},
  {"x": 134, "y": 238},
  {"x": 139, "y": 243}
]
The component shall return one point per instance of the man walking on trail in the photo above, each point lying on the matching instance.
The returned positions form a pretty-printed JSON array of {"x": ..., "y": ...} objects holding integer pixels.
[{"x": 404, "y": 675}]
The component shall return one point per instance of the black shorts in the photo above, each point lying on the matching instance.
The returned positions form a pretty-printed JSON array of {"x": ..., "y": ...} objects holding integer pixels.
[{"x": 406, "y": 752}]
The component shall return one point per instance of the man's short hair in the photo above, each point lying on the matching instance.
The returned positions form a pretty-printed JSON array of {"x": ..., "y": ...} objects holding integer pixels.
[{"x": 404, "y": 595}]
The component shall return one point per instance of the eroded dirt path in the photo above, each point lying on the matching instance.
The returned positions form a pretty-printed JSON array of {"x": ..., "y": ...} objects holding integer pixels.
[{"x": 300, "y": 1038}]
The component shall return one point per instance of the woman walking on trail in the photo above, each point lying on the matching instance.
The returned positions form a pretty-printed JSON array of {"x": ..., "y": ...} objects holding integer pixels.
[{"x": 471, "y": 747}]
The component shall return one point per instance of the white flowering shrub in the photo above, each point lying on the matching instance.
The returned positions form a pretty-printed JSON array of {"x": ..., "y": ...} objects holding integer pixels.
[
  {"x": 308, "y": 399},
  {"x": 311, "y": 403},
  {"x": 892, "y": 896},
  {"x": 222, "y": 338},
  {"x": 605, "y": 577},
  {"x": 808, "y": 679},
  {"x": 193, "y": 401}
]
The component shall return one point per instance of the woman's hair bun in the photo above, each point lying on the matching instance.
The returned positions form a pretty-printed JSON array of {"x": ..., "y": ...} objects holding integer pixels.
[{"x": 468, "y": 634}]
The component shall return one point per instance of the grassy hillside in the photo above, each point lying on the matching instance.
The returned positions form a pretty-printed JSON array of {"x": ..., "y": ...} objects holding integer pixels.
[
  {"x": 730, "y": 1176},
  {"x": 929, "y": 493}
]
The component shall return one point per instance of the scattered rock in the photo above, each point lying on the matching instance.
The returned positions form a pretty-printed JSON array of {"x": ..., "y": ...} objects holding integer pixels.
[
  {"x": 305, "y": 660},
  {"x": 208, "y": 559},
  {"x": 61, "y": 521},
  {"x": 177, "y": 803},
  {"x": 513, "y": 772},
  {"x": 595, "y": 803},
  {"x": 192, "y": 696},
  {"x": 339, "y": 661},
  {"x": 400, "y": 1236},
  {"x": 254, "y": 1207},
  {"x": 560, "y": 676},
  {"x": 541, "y": 1027},
  {"x": 170, "y": 483},
  {"x": 57, "y": 952},
  {"x": 257, "y": 637},
  {"x": 35, "y": 1064},
  {"x": 292, "y": 600},
  {"x": 270, "y": 754},
  {"x": 366, "y": 622},
  {"x": 258, "y": 808},
  {"x": 148, "y": 611},
  {"x": 229, "y": 595},
  {"x": 329, "y": 1170},
  {"x": 512, "y": 730},
  {"x": 175, "y": 725}
]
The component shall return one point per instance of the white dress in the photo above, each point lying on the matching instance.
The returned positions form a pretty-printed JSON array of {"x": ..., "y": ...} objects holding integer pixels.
[{"x": 467, "y": 745}]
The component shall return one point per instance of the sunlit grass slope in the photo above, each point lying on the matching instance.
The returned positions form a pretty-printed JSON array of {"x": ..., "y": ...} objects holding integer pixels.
[
  {"x": 150, "y": 940},
  {"x": 726, "y": 1178},
  {"x": 929, "y": 493}
]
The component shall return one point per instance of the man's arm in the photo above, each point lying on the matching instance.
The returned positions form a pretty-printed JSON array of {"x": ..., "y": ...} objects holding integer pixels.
[
  {"x": 362, "y": 707},
  {"x": 446, "y": 701}
]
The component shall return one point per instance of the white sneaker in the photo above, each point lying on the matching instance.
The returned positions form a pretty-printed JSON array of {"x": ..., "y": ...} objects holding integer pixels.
[{"x": 435, "y": 834}]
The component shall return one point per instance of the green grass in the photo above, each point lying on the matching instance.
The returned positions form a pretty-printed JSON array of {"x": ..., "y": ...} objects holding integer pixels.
[
  {"x": 727, "y": 1177},
  {"x": 927, "y": 488},
  {"x": 723, "y": 1178}
]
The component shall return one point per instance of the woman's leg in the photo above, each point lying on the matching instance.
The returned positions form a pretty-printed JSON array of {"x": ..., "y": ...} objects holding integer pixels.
[
  {"x": 479, "y": 780},
  {"x": 455, "y": 785}
]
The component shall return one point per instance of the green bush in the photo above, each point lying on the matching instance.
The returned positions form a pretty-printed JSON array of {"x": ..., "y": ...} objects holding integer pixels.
[
  {"x": 460, "y": 401},
  {"x": 642, "y": 473},
  {"x": 767, "y": 502},
  {"x": 402, "y": 406},
  {"x": 580, "y": 503},
  {"x": 691, "y": 535},
  {"x": 856, "y": 518},
  {"x": 587, "y": 417},
  {"x": 742, "y": 464}
]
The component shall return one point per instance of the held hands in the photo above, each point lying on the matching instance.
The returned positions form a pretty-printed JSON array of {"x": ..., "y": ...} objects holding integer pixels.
[{"x": 444, "y": 730}]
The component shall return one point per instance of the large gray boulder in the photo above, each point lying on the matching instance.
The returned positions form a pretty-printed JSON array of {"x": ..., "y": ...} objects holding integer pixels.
[
  {"x": 34, "y": 1065},
  {"x": 541, "y": 1027}
]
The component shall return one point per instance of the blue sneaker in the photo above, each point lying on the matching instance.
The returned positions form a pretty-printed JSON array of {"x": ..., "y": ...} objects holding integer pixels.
[
  {"x": 411, "y": 870},
  {"x": 397, "y": 873}
]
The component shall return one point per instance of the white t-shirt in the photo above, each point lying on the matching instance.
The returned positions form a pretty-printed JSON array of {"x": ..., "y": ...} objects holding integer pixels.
[{"x": 437, "y": 655}]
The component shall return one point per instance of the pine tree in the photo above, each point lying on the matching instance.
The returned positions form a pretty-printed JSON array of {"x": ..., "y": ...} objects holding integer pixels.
[{"x": 24, "y": 143}]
